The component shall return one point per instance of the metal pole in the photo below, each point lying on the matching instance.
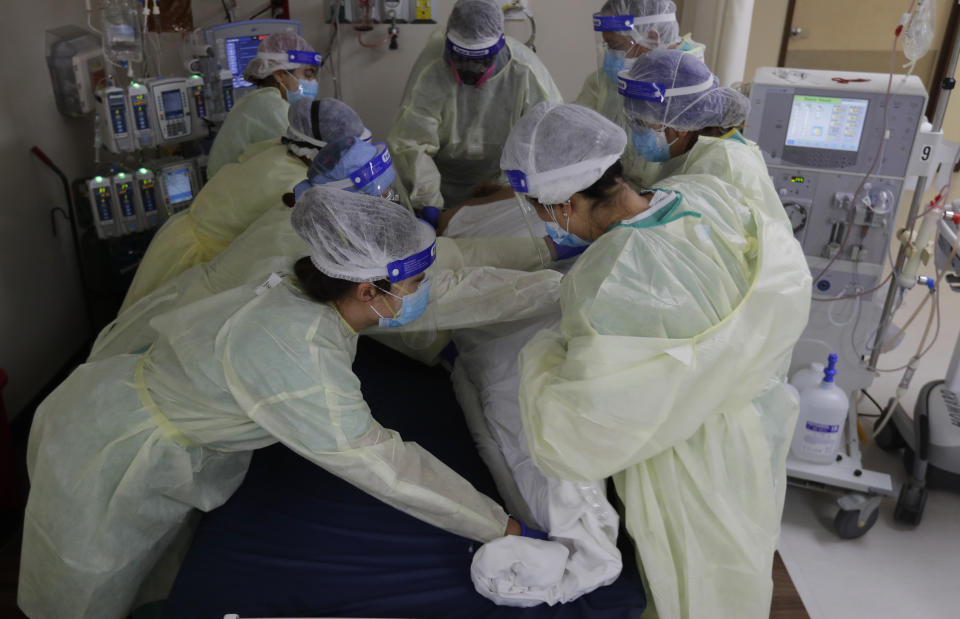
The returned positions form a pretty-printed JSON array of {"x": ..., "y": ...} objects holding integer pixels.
[{"x": 946, "y": 85}]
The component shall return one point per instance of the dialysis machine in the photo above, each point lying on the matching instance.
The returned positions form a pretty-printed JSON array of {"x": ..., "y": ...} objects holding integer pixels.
[{"x": 820, "y": 133}]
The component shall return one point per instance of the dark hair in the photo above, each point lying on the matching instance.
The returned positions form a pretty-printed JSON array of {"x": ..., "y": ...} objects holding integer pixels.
[
  {"x": 266, "y": 82},
  {"x": 607, "y": 186},
  {"x": 323, "y": 288}
]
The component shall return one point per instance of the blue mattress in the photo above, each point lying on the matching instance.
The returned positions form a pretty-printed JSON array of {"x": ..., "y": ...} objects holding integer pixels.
[{"x": 295, "y": 540}]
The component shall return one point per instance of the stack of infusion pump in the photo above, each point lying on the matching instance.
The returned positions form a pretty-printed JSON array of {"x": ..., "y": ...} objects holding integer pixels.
[
  {"x": 128, "y": 202},
  {"x": 155, "y": 112}
]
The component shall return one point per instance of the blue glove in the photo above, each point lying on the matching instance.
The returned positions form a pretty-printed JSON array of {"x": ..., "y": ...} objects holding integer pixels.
[
  {"x": 532, "y": 533},
  {"x": 431, "y": 215},
  {"x": 566, "y": 251}
]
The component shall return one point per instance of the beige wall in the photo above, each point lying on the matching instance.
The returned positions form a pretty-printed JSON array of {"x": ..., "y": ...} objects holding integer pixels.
[
  {"x": 765, "y": 33},
  {"x": 373, "y": 79}
]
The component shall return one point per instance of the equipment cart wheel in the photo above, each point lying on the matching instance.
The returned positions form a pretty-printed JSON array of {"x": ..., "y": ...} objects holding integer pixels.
[
  {"x": 889, "y": 438},
  {"x": 857, "y": 515},
  {"x": 848, "y": 525},
  {"x": 910, "y": 504}
]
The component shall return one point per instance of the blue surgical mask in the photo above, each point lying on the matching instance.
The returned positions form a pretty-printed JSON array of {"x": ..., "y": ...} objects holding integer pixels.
[
  {"x": 614, "y": 62},
  {"x": 412, "y": 306},
  {"x": 651, "y": 144},
  {"x": 308, "y": 89},
  {"x": 562, "y": 237}
]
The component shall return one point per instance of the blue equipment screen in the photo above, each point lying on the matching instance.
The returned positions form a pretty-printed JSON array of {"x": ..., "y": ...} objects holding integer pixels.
[
  {"x": 178, "y": 185},
  {"x": 239, "y": 52},
  {"x": 172, "y": 103}
]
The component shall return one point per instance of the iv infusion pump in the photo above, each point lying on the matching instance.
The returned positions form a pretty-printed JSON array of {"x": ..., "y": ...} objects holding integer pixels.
[
  {"x": 151, "y": 113},
  {"x": 129, "y": 202},
  {"x": 171, "y": 108}
]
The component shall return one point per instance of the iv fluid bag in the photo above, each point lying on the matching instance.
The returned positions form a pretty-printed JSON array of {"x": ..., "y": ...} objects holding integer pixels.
[{"x": 920, "y": 30}]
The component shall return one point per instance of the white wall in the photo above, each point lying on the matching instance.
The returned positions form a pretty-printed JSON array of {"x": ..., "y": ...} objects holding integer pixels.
[{"x": 41, "y": 314}]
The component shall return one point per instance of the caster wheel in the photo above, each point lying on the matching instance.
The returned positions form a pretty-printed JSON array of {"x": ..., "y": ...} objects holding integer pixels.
[
  {"x": 848, "y": 525},
  {"x": 910, "y": 505},
  {"x": 889, "y": 438}
]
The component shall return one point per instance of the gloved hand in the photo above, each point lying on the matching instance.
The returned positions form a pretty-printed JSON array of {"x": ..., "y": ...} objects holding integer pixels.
[
  {"x": 562, "y": 252},
  {"x": 532, "y": 533},
  {"x": 431, "y": 215}
]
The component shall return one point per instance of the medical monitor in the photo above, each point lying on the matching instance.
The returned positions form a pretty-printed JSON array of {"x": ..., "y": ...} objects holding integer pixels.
[
  {"x": 830, "y": 123},
  {"x": 172, "y": 103},
  {"x": 234, "y": 44},
  {"x": 178, "y": 185}
]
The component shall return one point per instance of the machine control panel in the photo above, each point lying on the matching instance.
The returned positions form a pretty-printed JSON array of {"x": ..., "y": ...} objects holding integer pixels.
[
  {"x": 172, "y": 105},
  {"x": 820, "y": 137}
]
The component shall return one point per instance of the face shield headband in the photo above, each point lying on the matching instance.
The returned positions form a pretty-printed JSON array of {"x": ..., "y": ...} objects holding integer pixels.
[
  {"x": 475, "y": 51},
  {"x": 399, "y": 270},
  {"x": 368, "y": 172},
  {"x": 293, "y": 57},
  {"x": 628, "y": 23},
  {"x": 655, "y": 91}
]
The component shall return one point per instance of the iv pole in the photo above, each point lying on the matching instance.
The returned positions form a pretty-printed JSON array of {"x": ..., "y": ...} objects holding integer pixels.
[{"x": 946, "y": 85}]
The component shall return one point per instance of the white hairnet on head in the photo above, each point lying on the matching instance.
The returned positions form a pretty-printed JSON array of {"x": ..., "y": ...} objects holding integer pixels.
[
  {"x": 475, "y": 23},
  {"x": 355, "y": 237},
  {"x": 675, "y": 89},
  {"x": 272, "y": 55},
  {"x": 560, "y": 149},
  {"x": 659, "y": 16},
  {"x": 321, "y": 121}
]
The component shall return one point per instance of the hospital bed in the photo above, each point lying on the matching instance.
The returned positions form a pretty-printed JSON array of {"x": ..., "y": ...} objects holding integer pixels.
[{"x": 296, "y": 541}]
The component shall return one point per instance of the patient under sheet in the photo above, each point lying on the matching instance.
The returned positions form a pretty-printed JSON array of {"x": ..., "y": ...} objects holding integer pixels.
[
  {"x": 580, "y": 521},
  {"x": 295, "y": 540}
]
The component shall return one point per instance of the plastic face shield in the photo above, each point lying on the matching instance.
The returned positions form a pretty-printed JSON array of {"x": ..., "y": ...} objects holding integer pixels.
[
  {"x": 373, "y": 178},
  {"x": 528, "y": 208},
  {"x": 292, "y": 58},
  {"x": 422, "y": 332},
  {"x": 619, "y": 38}
]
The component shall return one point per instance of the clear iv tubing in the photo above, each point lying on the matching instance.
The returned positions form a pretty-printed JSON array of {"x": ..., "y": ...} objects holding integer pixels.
[
  {"x": 940, "y": 274},
  {"x": 856, "y": 308},
  {"x": 911, "y": 367},
  {"x": 873, "y": 166}
]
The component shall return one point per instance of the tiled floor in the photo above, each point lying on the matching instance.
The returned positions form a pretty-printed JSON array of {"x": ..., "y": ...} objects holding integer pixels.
[{"x": 892, "y": 571}]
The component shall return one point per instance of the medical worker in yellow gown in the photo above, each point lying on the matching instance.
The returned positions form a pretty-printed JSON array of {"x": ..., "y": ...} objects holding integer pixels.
[
  {"x": 126, "y": 448},
  {"x": 667, "y": 373},
  {"x": 283, "y": 71},
  {"x": 241, "y": 192},
  {"x": 468, "y": 87}
]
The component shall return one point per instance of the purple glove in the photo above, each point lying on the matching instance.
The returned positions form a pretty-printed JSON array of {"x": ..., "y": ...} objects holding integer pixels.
[
  {"x": 565, "y": 251},
  {"x": 532, "y": 533},
  {"x": 431, "y": 215}
]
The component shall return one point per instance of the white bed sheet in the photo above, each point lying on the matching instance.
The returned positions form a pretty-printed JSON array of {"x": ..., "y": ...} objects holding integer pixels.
[{"x": 577, "y": 516}]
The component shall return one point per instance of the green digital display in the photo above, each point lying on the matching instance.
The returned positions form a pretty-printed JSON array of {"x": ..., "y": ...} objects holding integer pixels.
[{"x": 797, "y": 179}]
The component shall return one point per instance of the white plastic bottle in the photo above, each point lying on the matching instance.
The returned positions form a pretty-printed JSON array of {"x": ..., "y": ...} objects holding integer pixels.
[
  {"x": 807, "y": 376},
  {"x": 823, "y": 415}
]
